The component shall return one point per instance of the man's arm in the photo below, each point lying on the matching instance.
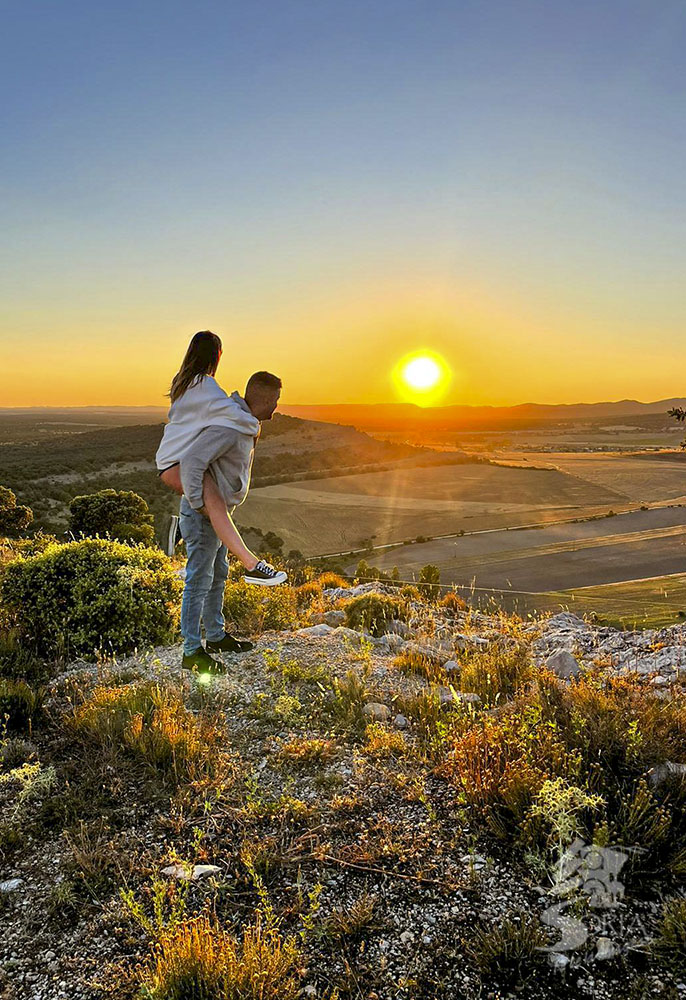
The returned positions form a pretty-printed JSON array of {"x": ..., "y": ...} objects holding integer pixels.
[{"x": 210, "y": 444}]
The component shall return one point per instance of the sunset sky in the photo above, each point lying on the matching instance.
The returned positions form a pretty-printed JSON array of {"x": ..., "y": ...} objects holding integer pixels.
[{"x": 333, "y": 185}]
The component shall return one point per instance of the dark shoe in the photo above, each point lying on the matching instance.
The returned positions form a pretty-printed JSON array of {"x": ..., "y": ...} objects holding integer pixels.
[
  {"x": 264, "y": 575},
  {"x": 229, "y": 644},
  {"x": 202, "y": 662},
  {"x": 173, "y": 535}
]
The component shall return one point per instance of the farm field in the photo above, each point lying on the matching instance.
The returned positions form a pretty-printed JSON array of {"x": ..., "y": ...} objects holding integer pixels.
[
  {"x": 337, "y": 514},
  {"x": 559, "y": 557},
  {"x": 643, "y": 478},
  {"x": 652, "y": 603}
]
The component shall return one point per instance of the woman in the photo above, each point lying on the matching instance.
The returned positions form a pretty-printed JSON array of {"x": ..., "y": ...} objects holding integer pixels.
[{"x": 199, "y": 403}]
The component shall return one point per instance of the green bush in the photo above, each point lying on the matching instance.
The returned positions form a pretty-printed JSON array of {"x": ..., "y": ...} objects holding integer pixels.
[
  {"x": 250, "y": 610},
  {"x": 373, "y": 611},
  {"x": 118, "y": 514},
  {"x": 429, "y": 581},
  {"x": 92, "y": 595},
  {"x": 18, "y": 662},
  {"x": 19, "y": 704},
  {"x": 13, "y": 516}
]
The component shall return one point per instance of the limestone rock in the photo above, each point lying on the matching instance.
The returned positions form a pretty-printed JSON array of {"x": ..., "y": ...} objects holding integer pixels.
[
  {"x": 11, "y": 884},
  {"x": 563, "y": 664},
  {"x": 316, "y": 631},
  {"x": 376, "y": 711},
  {"x": 605, "y": 949},
  {"x": 663, "y": 772},
  {"x": 334, "y": 617}
]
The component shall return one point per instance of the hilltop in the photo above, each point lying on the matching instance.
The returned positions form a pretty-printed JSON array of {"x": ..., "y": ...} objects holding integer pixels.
[{"x": 382, "y": 785}]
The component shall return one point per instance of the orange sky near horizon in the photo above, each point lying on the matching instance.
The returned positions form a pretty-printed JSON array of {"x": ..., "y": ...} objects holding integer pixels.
[{"x": 342, "y": 346}]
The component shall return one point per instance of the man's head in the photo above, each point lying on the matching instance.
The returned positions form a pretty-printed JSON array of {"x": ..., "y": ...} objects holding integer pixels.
[{"x": 262, "y": 394}]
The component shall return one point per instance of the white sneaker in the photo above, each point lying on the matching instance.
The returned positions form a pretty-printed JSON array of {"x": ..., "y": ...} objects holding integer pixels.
[{"x": 264, "y": 575}]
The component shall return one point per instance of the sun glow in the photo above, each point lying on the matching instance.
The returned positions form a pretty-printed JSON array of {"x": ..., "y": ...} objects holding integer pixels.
[{"x": 422, "y": 377}]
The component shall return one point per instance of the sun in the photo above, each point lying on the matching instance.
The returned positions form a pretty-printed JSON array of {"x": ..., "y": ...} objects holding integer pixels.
[
  {"x": 422, "y": 377},
  {"x": 422, "y": 373}
]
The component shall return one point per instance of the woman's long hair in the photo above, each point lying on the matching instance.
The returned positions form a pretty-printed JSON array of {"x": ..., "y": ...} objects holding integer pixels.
[{"x": 202, "y": 358}]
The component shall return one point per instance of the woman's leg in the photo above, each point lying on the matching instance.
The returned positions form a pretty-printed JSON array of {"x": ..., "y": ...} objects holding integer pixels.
[{"x": 215, "y": 510}]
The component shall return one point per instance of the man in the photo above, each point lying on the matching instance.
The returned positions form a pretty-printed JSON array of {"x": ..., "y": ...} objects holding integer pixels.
[{"x": 214, "y": 478}]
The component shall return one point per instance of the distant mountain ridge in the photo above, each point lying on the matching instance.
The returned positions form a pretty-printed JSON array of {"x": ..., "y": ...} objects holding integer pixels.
[
  {"x": 382, "y": 416},
  {"x": 391, "y": 416}
]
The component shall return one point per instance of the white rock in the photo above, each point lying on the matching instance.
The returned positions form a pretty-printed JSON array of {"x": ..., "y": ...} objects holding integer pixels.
[
  {"x": 334, "y": 617},
  {"x": 316, "y": 630},
  {"x": 605, "y": 949},
  {"x": 391, "y": 642},
  {"x": 349, "y": 633},
  {"x": 430, "y": 652},
  {"x": 11, "y": 884},
  {"x": 186, "y": 873},
  {"x": 663, "y": 772},
  {"x": 451, "y": 667},
  {"x": 400, "y": 721}
]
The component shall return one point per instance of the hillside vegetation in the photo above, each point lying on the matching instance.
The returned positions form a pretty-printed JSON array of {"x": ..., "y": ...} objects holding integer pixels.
[
  {"x": 389, "y": 796},
  {"x": 47, "y": 478}
]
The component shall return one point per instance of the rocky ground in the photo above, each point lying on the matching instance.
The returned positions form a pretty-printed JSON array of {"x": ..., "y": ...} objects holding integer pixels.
[{"x": 326, "y": 796}]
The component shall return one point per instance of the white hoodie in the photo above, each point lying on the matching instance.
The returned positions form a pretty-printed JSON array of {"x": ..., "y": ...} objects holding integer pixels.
[{"x": 204, "y": 404}]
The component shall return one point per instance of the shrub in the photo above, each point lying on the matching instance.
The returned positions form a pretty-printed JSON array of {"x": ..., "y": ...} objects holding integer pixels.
[
  {"x": 499, "y": 766},
  {"x": 671, "y": 941},
  {"x": 373, "y": 611},
  {"x": 250, "y": 610},
  {"x": 13, "y": 516},
  {"x": 306, "y": 750},
  {"x": 330, "y": 580},
  {"x": 196, "y": 958},
  {"x": 410, "y": 593},
  {"x": 92, "y": 595},
  {"x": 411, "y": 662},
  {"x": 496, "y": 673},
  {"x": 20, "y": 705},
  {"x": 118, "y": 514},
  {"x": 307, "y": 593},
  {"x": 351, "y": 922},
  {"x": 17, "y": 662},
  {"x": 452, "y": 602},
  {"x": 429, "y": 580}
]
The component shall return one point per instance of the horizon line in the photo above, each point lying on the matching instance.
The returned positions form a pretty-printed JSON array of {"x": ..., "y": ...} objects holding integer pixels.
[{"x": 395, "y": 403}]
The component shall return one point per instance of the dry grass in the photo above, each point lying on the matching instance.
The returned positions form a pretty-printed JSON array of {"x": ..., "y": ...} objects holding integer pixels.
[
  {"x": 301, "y": 750},
  {"x": 152, "y": 723},
  {"x": 198, "y": 959},
  {"x": 421, "y": 665},
  {"x": 496, "y": 673}
]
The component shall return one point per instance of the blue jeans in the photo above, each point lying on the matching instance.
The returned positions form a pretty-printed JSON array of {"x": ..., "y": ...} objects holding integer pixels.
[{"x": 206, "y": 572}]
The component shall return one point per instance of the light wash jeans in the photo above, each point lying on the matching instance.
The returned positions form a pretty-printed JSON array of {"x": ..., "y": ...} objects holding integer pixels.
[{"x": 206, "y": 572}]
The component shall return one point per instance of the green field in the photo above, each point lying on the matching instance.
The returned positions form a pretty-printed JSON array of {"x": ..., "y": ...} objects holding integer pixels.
[{"x": 653, "y": 603}]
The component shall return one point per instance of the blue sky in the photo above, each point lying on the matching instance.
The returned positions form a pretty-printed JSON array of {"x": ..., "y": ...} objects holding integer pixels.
[{"x": 509, "y": 175}]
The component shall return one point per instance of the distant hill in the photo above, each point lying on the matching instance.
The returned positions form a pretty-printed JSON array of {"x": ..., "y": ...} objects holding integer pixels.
[
  {"x": 47, "y": 461},
  {"x": 400, "y": 416}
]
